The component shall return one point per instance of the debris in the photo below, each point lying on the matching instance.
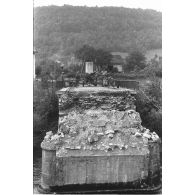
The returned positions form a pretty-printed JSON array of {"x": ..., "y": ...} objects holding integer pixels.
[
  {"x": 109, "y": 132},
  {"x": 100, "y": 133},
  {"x": 48, "y": 136},
  {"x": 77, "y": 147},
  {"x": 93, "y": 138},
  {"x": 147, "y": 135},
  {"x": 110, "y": 135},
  {"x": 61, "y": 134},
  {"x": 49, "y": 133},
  {"x": 99, "y": 122},
  {"x": 154, "y": 136},
  {"x": 55, "y": 137},
  {"x": 138, "y": 134}
]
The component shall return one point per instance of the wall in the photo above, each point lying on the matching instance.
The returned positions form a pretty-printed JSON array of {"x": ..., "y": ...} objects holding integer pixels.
[
  {"x": 89, "y": 67},
  {"x": 60, "y": 171}
]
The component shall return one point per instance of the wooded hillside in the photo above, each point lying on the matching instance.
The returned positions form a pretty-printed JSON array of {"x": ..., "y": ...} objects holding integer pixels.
[{"x": 59, "y": 31}]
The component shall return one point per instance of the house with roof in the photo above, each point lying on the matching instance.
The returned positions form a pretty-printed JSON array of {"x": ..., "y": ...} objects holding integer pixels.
[{"x": 118, "y": 60}]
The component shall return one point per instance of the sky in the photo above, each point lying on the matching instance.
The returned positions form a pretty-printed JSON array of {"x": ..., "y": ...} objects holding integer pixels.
[{"x": 144, "y": 4}]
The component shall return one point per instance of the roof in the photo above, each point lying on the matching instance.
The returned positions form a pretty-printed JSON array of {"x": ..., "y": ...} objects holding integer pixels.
[
  {"x": 122, "y": 54},
  {"x": 117, "y": 59}
]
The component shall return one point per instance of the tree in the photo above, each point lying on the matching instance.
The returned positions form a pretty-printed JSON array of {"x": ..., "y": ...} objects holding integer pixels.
[
  {"x": 99, "y": 57},
  {"x": 149, "y": 105},
  {"x": 156, "y": 65},
  {"x": 154, "y": 68},
  {"x": 103, "y": 58},
  {"x": 136, "y": 60},
  {"x": 45, "y": 110},
  {"x": 86, "y": 53}
]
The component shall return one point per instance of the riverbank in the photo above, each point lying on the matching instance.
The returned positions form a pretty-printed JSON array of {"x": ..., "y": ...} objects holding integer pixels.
[{"x": 37, "y": 157}]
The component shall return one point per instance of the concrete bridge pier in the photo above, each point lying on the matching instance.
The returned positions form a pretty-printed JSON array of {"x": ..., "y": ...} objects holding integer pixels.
[{"x": 48, "y": 168}]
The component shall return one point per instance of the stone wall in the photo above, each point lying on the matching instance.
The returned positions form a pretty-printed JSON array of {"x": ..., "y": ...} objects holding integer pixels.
[{"x": 115, "y": 99}]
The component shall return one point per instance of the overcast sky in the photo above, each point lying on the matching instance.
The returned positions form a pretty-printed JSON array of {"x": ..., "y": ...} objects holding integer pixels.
[{"x": 145, "y": 4}]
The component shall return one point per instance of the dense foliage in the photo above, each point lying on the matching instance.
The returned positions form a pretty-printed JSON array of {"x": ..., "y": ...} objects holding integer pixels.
[
  {"x": 48, "y": 69},
  {"x": 149, "y": 105},
  {"x": 59, "y": 31},
  {"x": 86, "y": 53},
  {"x": 135, "y": 61},
  {"x": 45, "y": 111},
  {"x": 99, "y": 57},
  {"x": 153, "y": 68}
]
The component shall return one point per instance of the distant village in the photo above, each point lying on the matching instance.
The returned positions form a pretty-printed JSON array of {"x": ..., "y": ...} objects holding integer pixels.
[{"x": 118, "y": 62}]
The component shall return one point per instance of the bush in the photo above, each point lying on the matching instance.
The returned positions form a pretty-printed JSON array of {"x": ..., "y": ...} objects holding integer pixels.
[
  {"x": 154, "y": 90},
  {"x": 135, "y": 61},
  {"x": 159, "y": 73},
  {"x": 153, "y": 68},
  {"x": 38, "y": 123},
  {"x": 45, "y": 111},
  {"x": 114, "y": 70},
  {"x": 150, "y": 109}
]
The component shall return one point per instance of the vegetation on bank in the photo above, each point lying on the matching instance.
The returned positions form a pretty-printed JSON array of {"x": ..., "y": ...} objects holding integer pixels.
[
  {"x": 149, "y": 105},
  {"x": 45, "y": 112}
]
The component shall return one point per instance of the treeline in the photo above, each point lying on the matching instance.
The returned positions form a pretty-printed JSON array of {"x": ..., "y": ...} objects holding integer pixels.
[
  {"x": 135, "y": 65},
  {"x": 62, "y": 30}
]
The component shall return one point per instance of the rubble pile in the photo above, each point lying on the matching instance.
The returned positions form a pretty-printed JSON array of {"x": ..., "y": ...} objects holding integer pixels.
[
  {"x": 98, "y": 119},
  {"x": 100, "y": 130}
]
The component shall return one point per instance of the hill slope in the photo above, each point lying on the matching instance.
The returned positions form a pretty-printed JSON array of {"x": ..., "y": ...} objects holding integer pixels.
[{"x": 61, "y": 30}]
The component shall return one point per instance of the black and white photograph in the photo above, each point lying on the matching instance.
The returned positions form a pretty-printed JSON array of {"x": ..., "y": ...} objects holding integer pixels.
[
  {"x": 97, "y": 97},
  {"x": 86, "y": 106}
]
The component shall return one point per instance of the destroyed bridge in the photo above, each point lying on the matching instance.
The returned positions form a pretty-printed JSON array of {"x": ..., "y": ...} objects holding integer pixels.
[{"x": 100, "y": 144}]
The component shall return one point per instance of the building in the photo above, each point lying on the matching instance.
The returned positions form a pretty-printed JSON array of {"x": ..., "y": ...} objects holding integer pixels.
[
  {"x": 89, "y": 67},
  {"x": 118, "y": 60}
]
